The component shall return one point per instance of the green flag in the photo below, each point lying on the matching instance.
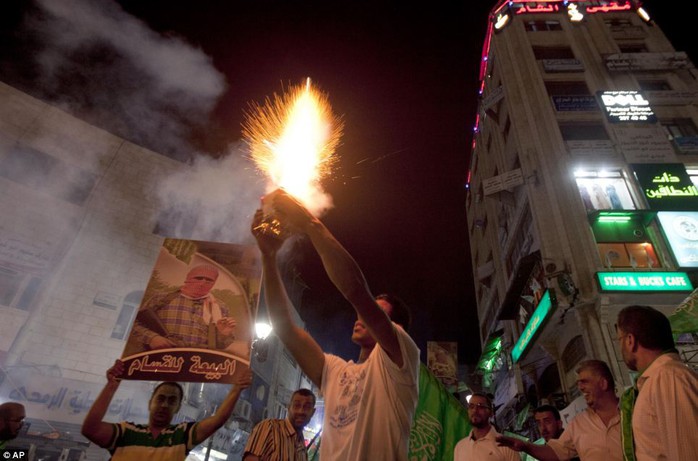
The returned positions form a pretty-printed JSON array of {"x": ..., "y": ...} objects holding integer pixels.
[
  {"x": 685, "y": 318},
  {"x": 439, "y": 422}
]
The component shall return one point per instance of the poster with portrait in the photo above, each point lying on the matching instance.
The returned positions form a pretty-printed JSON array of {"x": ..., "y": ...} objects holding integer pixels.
[{"x": 196, "y": 320}]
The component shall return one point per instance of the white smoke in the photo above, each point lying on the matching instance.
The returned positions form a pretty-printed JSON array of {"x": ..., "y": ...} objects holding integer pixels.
[
  {"x": 103, "y": 64},
  {"x": 220, "y": 194}
]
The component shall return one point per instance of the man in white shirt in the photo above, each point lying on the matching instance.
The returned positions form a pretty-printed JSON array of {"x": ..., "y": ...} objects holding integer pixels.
[
  {"x": 480, "y": 444},
  {"x": 369, "y": 404},
  {"x": 594, "y": 434},
  {"x": 665, "y": 414}
]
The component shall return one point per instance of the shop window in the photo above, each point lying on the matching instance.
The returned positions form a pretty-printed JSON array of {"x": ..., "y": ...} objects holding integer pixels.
[
  {"x": 583, "y": 132},
  {"x": 566, "y": 88},
  {"x": 540, "y": 26},
  {"x": 634, "y": 255},
  {"x": 603, "y": 190},
  {"x": 553, "y": 52}
]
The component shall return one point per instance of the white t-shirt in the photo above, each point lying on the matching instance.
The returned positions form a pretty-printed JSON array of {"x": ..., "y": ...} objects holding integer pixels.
[{"x": 369, "y": 406}]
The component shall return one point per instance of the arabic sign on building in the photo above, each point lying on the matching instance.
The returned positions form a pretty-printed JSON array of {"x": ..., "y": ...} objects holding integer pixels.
[
  {"x": 644, "y": 281},
  {"x": 647, "y": 61},
  {"x": 671, "y": 98},
  {"x": 546, "y": 307},
  {"x": 681, "y": 231},
  {"x": 667, "y": 186},
  {"x": 647, "y": 144},
  {"x": 503, "y": 181},
  {"x": 562, "y": 65},
  {"x": 626, "y": 106},
  {"x": 195, "y": 321},
  {"x": 575, "y": 103}
]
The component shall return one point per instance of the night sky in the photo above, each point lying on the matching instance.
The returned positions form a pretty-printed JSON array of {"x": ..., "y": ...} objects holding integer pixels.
[{"x": 402, "y": 76}]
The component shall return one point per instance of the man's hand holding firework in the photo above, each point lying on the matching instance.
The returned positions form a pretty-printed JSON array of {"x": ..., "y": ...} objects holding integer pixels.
[
  {"x": 269, "y": 243},
  {"x": 290, "y": 212}
]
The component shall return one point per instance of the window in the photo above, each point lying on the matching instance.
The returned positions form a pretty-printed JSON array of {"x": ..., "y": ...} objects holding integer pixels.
[
  {"x": 603, "y": 190},
  {"x": 567, "y": 88},
  {"x": 574, "y": 352},
  {"x": 537, "y": 26},
  {"x": 654, "y": 85},
  {"x": 634, "y": 255},
  {"x": 679, "y": 128},
  {"x": 43, "y": 172},
  {"x": 553, "y": 52},
  {"x": 617, "y": 22},
  {"x": 583, "y": 131},
  {"x": 632, "y": 47}
]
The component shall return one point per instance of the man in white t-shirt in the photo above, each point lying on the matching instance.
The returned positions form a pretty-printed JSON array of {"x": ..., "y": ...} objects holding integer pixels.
[
  {"x": 481, "y": 443},
  {"x": 369, "y": 404}
]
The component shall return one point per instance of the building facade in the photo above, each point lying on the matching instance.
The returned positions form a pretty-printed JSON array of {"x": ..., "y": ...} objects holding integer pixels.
[
  {"x": 80, "y": 231},
  {"x": 582, "y": 192}
]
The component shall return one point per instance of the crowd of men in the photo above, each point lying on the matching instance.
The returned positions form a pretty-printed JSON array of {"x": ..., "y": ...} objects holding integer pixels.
[{"x": 370, "y": 403}]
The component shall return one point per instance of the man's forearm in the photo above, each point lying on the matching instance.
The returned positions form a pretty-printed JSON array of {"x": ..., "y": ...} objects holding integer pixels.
[
  {"x": 541, "y": 452},
  {"x": 93, "y": 427}
]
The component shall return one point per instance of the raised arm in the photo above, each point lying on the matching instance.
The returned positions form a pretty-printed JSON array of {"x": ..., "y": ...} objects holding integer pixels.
[
  {"x": 299, "y": 343},
  {"x": 93, "y": 427},
  {"x": 342, "y": 269},
  {"x": 540, "y": 452},
  {"x": 206, "y": 427}
]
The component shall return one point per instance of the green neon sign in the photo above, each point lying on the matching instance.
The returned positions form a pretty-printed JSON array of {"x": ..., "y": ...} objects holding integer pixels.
[
  {"x": 546, "y": 306},
  {"x": 644, "y": 281}
]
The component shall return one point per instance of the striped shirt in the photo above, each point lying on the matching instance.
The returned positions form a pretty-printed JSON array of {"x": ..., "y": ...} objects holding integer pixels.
[
  {"x": 135, "y": 441},
  {"x": 276, "y": 440}
]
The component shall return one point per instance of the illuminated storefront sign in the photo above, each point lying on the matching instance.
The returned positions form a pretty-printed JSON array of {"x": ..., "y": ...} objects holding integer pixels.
[
  {"x": 667, "y": 186},
  {"x": 626, "y": 106},
  {"x": 545, "y": 308},
  {"x": 644, "y": 281},
  {"x": 681, "y": 231}
]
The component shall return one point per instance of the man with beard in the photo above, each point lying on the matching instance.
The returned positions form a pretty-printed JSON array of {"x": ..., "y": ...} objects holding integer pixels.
[
  {"x": 159, "y": 440},
  {"x": 188, "y": 317},
  {"x": 548, "y": 421},
  {"x": 594, "y": 434},
  {"x": 12, "y": 416},
  {"x": 665, "y": 412},
  {"x": 481, "y": 443},
  {"x": 282, "y": 439},
  {"x": 369, "y": 404}
]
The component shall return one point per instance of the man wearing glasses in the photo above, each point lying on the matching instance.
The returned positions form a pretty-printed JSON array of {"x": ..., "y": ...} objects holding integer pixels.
[
  {"x": 480, "y": 444},
  {"x": 11, "y": 421},
  {"x": 665, "y": 411}
]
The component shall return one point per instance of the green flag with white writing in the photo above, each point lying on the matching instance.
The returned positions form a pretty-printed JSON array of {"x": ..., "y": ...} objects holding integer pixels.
[
  {"x": 685, "y": 318},
  {"x": 439, "y": 422}
]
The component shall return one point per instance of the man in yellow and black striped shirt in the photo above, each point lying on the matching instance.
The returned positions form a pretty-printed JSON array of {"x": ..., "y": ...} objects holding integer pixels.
[{"x": 282, "y": 439}]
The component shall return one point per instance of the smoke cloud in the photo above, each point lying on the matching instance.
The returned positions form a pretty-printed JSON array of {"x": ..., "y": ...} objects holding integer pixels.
[{"x": 101, "y": 63}]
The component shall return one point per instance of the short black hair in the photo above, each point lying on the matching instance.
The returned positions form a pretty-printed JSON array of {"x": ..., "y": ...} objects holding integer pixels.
[
  {"x": 305, "y": 393},
  {"x": 400, "y": 313},
  {"x": 548, "y": 408},
  {"x": 650, "y": 327},
  {"x": 485, "y": 396},
  {"x": 170, "y": 383}
]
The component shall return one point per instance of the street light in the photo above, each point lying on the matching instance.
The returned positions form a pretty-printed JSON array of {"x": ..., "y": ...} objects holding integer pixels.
[{"x": 260, "y": 346}]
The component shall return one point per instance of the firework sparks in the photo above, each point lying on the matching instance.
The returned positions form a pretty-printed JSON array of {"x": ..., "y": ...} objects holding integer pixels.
[{"x": 292, "y": 139}]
